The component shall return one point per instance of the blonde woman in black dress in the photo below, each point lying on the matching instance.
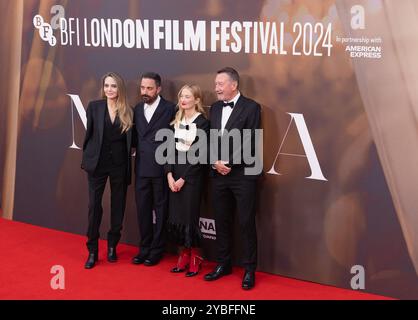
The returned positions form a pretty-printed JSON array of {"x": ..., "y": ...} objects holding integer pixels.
[{"x": 185, "y": 180}]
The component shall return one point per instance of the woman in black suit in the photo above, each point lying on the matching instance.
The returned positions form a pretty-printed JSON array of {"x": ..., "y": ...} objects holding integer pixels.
[
  {"x": 107, "y": 154},
  {"x": 185, "y": 180}
]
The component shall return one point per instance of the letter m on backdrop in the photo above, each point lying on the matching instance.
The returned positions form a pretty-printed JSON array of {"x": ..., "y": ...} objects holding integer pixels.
[{"x": 77, "y": 105}]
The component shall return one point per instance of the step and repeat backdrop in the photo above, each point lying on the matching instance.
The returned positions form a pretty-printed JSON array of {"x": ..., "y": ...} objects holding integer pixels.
[{"x": 337, "y": 81}]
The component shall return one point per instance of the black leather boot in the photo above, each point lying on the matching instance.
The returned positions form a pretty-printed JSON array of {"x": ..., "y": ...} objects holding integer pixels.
[
  {"x": 111, "y": 254},
  {"x": 91, "y": 260}
]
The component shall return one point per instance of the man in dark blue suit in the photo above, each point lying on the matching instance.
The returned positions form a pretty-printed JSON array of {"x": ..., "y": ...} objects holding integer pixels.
[{"x": 151, "y": 190}]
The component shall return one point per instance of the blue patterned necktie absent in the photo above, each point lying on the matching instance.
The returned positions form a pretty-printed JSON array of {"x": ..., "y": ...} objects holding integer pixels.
[{"x": 228, "y": 104}]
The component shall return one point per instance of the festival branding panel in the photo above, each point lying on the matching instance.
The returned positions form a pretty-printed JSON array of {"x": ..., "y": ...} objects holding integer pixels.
[{"x": 337, "y": 83}]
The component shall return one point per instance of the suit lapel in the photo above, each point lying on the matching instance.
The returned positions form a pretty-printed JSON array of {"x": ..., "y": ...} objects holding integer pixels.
[
  {"x": 101, "y": 119},
  {"x": 217, "y": 117},
  {"x": 236, "y": 111},
  {"x": 128, "y": 140},
  {"x": 142, "y": 123},
  {"x": 158, "y": 111}
]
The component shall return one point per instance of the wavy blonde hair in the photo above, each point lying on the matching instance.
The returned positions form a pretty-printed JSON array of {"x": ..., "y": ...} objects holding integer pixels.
[
  {"x": 123, "y": 109},
  {"x": 197, "y": 94}
]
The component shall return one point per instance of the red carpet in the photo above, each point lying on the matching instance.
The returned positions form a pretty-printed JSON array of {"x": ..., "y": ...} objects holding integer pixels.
[{"x": 28, "y": 253}]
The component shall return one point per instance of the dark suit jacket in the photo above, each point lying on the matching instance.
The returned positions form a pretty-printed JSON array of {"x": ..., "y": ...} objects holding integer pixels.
[
  {"x": 187, "y": 170},
  {"x": 144, "y": 137},
  {"x": 94, "y": 138},
  {"x": 245, "y": 115}
]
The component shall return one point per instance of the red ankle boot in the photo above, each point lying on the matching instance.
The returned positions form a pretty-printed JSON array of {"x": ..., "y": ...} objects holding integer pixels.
[
  {"x": 195, "y": 263},
  {"x": 183, "y": 261}
]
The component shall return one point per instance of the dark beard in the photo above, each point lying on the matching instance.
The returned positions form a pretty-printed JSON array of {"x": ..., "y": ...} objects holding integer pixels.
[{"x": 147, "y": 99}]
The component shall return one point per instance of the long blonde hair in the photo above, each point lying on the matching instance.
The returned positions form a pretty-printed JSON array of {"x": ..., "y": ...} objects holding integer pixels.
[
  {"x": 197, "y": 94},
  {"x": 123, "y": 109}
]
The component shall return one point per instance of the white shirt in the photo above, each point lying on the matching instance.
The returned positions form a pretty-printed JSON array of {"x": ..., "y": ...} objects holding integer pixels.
[
  {"x": 185, "y": 136},
  {"x": 226, "y": 111},
  {"x": 149, "y": 109}
]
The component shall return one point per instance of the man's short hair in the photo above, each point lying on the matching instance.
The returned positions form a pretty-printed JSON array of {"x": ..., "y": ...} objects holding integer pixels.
[
  {"x": 152, "y": 75},
  {"x": 232, "y": 73}
]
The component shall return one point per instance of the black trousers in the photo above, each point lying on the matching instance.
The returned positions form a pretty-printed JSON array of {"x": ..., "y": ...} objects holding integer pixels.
[
  {"x": 225, "y": 191},
  {"x": 151, "y": 194},
  {"x": 118, "y": 187}
]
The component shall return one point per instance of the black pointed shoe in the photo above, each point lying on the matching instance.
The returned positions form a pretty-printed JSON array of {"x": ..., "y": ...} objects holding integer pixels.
[
  {"x": 219, "y": 271},
  {"x": 139, "y": 258},
  {"x": 152, "y": 261},
  {"x": 111, "y": 254},
  {"x": 91, "y": 260},
  {"x": 248, "y": 281}
]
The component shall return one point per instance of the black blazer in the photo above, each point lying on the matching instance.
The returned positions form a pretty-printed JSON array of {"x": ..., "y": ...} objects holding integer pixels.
[
  {"x": 94, "y": 138},
  {"x": 188, "y": 170},
  {"x": 144, "y": 137},
  {"x": 246, "y": 114}
]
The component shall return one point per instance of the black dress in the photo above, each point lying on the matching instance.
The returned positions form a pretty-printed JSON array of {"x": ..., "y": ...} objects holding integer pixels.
[{"x": 184, "y": 205}]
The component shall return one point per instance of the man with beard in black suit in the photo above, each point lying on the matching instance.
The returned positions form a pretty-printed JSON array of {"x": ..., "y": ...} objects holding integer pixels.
[{"x": 151, "y": 189}]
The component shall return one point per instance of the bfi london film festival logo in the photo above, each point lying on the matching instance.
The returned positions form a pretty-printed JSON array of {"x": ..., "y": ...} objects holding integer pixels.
[{"x": 46, "y": 30}]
